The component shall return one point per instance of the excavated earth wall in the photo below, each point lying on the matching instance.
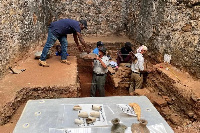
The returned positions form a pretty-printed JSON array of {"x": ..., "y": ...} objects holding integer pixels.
[
  {"x": 25, "y": 94},
  {"x": 37, "y": 82},
  {"x": 173, "y": 92},
  {"x": 176, "y": 104},
  {"x": 177, "y": 101}
]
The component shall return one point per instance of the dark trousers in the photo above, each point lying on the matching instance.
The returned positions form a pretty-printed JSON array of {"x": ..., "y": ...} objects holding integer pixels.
[
  {"x": 98, "y": 83},
  {"x": 125, "y": 60}
]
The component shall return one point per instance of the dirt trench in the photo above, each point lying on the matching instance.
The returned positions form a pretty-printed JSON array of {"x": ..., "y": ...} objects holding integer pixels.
[
  {"x": 172, "y": 97},
  {"x": 179, "y": 108}
]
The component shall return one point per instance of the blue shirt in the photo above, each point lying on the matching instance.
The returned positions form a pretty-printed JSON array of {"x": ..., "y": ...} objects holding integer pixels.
[
  {"x": 96, "y": 51},
  {"x": 64, "y": 26}
]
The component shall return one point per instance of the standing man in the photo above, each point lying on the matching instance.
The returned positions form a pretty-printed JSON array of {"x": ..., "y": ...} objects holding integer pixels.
[
  {"x": 137, "y": 68},
  {"x": 59, "y": 30},
  {"x": 99, "y": 73}
]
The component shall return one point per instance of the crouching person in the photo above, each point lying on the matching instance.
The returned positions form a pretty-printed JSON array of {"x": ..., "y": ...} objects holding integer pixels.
[{"x": 99, "y": 73}]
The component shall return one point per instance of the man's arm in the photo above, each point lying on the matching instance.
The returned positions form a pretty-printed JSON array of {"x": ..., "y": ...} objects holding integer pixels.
[
  {"x": 76, "y": 41},
  {"x": 120, "y": 55},
  {"x": 102, "y": 63},
  {"x": 142, "y": 68},
  {"x": 141, "y": 65},
  {"x": 82, "y": 41}
]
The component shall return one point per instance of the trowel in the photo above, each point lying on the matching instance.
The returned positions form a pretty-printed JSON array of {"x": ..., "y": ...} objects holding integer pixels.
[{"x": 16, "y": 71}]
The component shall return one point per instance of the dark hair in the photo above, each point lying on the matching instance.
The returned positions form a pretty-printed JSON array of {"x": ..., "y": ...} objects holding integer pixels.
[
  {"x": 128, "y": 44},
  {"x": 99, "y": 43}
]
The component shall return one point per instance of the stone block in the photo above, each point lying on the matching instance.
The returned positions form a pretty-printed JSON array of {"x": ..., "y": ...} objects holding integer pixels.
[
  {"x": 175, "y": 119},
  {"x": 116, "y": 81},
  {"x": 142, "y": 92},
  {"x": 161, "y": 102}
]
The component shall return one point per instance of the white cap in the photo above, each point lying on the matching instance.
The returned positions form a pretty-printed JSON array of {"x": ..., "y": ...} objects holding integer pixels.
[
  {"x": 141, "y": 48},
  {"x": 144, "y": 48}
]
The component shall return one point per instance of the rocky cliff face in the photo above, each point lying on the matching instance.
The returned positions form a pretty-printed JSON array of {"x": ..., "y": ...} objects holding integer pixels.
[
  {"x": 166, "y": 26},
  {"x": 22, "y": 24}
]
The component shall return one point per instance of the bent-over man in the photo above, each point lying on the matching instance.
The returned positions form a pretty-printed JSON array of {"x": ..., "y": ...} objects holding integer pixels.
[{"x": 58, "y": 30}]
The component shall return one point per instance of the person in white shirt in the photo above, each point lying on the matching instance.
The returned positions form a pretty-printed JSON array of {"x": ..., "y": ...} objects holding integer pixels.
[
  {"x": 99, "y": 73},
  {"x": 137, "y": 68}
]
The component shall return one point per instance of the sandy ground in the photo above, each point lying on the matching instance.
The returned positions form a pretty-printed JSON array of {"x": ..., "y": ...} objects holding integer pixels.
[{"x": 37, "y": 76}]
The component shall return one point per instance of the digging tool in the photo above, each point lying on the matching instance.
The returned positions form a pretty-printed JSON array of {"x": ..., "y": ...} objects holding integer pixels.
[{"x": 16, "y": 71}]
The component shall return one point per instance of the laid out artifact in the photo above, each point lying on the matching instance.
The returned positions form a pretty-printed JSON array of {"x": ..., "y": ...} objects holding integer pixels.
[
  {"x": 137, "y": 109},
  {"x": 90, "y": 120},
  {"x": 95, "y": 114},
  {"x": 117, "y": 127},
  {"x": 96, "y": 107},
  {"x": 140, "y": 127},
  {"x": 83, "y": 115},
  {"x": 77, "y": 107},
  {"x": 77, "y": 121}
]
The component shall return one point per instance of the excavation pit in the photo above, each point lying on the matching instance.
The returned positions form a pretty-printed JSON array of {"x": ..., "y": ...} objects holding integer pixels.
[{"x": 166, "y": 92}]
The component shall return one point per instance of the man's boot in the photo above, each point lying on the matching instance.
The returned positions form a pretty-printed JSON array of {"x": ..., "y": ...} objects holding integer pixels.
[
  {"x": 66, "y": 62},
  {"x": 43, "y": 63}
]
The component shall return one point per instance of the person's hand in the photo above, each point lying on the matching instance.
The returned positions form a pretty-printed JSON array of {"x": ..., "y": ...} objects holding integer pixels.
[
  {"x": 88, "y": 50},
  {"x": 149, "y": 70},
  {"x": 79, "y": 48},
  {"x": 97, "y": 57}
]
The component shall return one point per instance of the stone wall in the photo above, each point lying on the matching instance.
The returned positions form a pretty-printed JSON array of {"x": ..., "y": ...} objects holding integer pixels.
[
  {"x": 105, "y": 17},
  {"x": 22, "y": 25},
  {"x": 168, "y": 27}
]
